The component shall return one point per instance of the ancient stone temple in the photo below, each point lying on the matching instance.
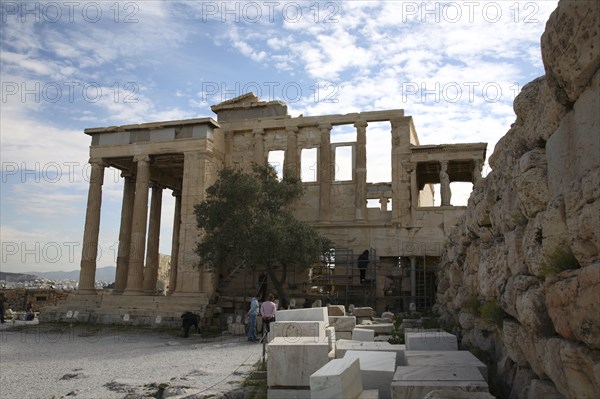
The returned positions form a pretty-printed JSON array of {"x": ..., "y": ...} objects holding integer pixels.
[{"x": 404, "y": 234}]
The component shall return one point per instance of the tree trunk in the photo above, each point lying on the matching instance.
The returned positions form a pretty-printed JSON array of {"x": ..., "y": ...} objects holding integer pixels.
[{"x": 278, "y": 285}]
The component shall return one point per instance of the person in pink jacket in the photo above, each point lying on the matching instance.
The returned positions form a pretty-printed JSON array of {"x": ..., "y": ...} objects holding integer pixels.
[{"x": 267, "y": 311}]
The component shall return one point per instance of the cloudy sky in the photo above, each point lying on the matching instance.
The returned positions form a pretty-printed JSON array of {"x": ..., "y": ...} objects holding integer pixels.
[{"x": 65, "y": 66}]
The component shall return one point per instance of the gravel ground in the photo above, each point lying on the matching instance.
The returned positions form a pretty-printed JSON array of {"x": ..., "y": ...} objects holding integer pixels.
[{"x": 50, "y": 361}]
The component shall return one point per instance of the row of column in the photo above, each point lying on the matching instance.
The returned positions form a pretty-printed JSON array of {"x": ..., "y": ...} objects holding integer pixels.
[{"x": 131, "y": 277}]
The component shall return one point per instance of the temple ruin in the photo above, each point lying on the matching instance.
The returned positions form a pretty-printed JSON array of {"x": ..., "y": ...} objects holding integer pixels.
[{"x": 405, "y": 233}]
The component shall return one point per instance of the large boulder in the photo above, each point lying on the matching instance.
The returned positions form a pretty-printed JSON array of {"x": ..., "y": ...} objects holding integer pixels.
[
  {"x": 570, "y": 48},
  {"x": 572, "y": 301}
]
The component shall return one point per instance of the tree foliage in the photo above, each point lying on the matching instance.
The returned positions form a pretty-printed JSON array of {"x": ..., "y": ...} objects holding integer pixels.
[{"x": 247, "y": 221}]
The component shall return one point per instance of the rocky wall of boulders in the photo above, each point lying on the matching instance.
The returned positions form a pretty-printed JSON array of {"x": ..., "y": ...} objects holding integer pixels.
[{"x": 520, "y": 276}]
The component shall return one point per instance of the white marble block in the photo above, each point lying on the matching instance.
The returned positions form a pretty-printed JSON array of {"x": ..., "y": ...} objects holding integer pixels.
[
  {"x": 343, "y": 323},
  {"x": 369, "y": 394},
  {"x": 296, "y": 329},
  {"x": 340, "y": 378},
  {"x": 290, "y": 364},
  {"x": 330, "y": 334},
  {"x": 445, "y": 358},
  {"x": 362, "y": 334},
  {"x": 342, "y": 345},
  {"x": 430, "y": 341},
  {"x": 377, "y": 370},
  {"x": 309, "y": 314},
  {"x": 414, "y": 382},
  {"x": 286, "y": 393}
]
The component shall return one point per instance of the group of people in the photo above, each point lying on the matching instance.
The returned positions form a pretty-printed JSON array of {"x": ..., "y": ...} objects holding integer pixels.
[
  {"x": 266, "y": 311},
  {"x": 28, "y": 316}
]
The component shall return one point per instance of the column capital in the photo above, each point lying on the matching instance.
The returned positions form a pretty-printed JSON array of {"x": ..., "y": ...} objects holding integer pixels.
[
  {"x": 126, "y": 173},
  {"x": 141, "y": 158},
  {"x": 360, "y": 124},
  {"x": 292, "y": 129},
  {"x": 325, "y": 127},
  {"x": 97, "y": 161},
  {"x": 258, "y": 130},
  {"x": 396, "y": 122},
  {"x": 176, "y": 193},
  {"x": 409, "y": 166}
]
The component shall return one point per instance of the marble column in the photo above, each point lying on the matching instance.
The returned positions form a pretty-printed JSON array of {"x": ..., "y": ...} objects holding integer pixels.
[
  {"x": 259, "y": 146},
  {"x": 175, "y": 243},
  {"x": 152, "y": 258},
  {"x": 326, "y": 170},
  {"x": 413, "y": 280},
  {"x": 87, "y": 275},
  {"x": 414, "y": 194},
  {"x": 189, "y": 272},
  {"x": 445, "y": 192},
  {"x": 291, "y": 163},
  {"x": 383, "y": 202},
  {"x": 361, "y": 170},
  {"x": 135, "y": 274},
  {"x": 400, "y": 178},
  {"x": 125, "y": 233}
]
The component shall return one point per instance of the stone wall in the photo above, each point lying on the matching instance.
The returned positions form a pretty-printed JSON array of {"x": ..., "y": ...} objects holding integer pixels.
[{"x": 520, "y": 275}]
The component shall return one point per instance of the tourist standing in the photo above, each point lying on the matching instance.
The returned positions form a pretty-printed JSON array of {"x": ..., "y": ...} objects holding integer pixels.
[
  {"x": 267, "y": 310},
  {"x": 252, "y": 313}
]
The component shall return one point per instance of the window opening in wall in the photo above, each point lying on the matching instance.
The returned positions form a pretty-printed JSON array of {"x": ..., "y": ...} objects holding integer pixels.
[
  {"x": 437, "y": 197},
  {"x": 343, "y": 134},
  {"x": 276, "y": 159},
  {"x": 379, "y": 152},
  {"x": 343, "y": 163},
  {"x": 308, "y": 161},
  {"x": 460, "y": 193},
  {"x": 373, "y": 203}
]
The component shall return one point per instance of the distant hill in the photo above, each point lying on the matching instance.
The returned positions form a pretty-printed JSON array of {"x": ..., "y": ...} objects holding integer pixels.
[
  {"x": 16, "y": 277},
  {"x": 102, "y": 273}
]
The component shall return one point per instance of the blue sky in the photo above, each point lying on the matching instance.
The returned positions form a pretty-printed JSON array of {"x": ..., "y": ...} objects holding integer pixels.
[{"x": 65, "y": 66}]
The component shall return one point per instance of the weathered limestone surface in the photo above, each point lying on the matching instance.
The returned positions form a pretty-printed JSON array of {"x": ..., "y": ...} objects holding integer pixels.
[
  {"x": 342, "y": 346},
  {"x": 445, "y": 358},
  {"x": 377, "y": 370},
  {"x": 336, "y": 310},
  {"x": 363, "y": 312},
  {"x": 362, "y": 334},
  {"x": 295, "y": 329},
  {"x": 304, "y": 354},
  {"x": 340, "y": 378},
  {"x": 430, "y": 341},
  {"x": 520, "y": 275},
  {"x": 310, "y": 314},
  {"x": 414, "y": 382},
  {"x": 570, "y": 48},
  {"x": 342, "y": 323}
]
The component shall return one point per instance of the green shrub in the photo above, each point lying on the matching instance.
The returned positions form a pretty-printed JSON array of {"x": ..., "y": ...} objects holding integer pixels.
[
  {"x": 431, "y": 323},
  {"x": 560, "y": 260},
  {"x": 472, "y": 306},
  {"x": 492, "y": 313},
  {"x": 397, "y": 335}
]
